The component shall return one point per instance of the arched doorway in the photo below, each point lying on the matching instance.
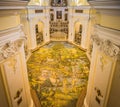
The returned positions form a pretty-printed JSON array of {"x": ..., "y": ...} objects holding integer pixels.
[
  {"x": 78, "y": 33},
  {"x": 39, "y": 27}
]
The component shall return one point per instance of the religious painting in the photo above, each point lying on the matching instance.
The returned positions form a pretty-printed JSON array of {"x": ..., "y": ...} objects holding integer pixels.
[
  {"x": 59, "y": 14},
  {"x": 59, "y": 3},
  {"x": 58, "y": 72},
  {"x": 51, "y": 17},
  {"x": 66, "y": 17}
]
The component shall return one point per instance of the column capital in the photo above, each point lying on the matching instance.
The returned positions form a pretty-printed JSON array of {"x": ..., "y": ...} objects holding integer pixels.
[
  {"x": 106, "y": 46},
  {"x": 10, "y": 48}
]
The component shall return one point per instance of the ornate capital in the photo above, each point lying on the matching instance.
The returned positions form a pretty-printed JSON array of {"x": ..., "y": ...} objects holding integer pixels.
[
  {"x": 106, "y": 46},
  {"x": 10, "y": 48},
  {"x": 96, "y": 39},
  {"x": 109, "y": 48}
]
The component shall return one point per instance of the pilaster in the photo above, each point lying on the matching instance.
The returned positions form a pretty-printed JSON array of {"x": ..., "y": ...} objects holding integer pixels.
[
  {"x": 105, "y": 56},
  {"x": 13, "y": 69}
]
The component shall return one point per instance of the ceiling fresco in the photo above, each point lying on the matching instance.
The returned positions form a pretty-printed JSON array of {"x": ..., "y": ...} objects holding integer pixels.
[{"x": 58, "y": 72}]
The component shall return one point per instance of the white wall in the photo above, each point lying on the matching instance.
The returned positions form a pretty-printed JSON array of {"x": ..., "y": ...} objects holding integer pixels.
[
  {"x": 13, "y": 69},
  {"x": 104, "y": 69}
]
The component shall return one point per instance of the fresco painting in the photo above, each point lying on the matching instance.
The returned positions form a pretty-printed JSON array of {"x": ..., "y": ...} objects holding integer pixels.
[{"x": 58, "y": 72}]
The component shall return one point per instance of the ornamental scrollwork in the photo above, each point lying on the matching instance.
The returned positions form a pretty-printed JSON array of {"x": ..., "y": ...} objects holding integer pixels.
[
  {"x": 10, "y": 48},
  {"x": 109, "y": 48},
  {"x": 106, "y": 46},
  {"x": 96, "y": 39}
]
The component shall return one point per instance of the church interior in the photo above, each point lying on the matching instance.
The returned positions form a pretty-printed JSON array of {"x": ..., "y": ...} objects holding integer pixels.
[{"x": 59, "y": 53}]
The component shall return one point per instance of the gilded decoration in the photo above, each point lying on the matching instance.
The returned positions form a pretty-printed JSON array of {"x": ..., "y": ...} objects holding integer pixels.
[
  {"x": 58, "y": 72},
  {"x": 103, "y": 62},
  {"x": 13, "y": 63}
]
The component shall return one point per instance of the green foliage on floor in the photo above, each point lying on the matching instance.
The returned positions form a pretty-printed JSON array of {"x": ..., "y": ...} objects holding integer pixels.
[{"x": 58, "y": 72}]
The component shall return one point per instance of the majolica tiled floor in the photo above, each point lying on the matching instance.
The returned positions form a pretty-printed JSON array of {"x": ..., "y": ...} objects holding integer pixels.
[{"x": 58, "y": 72}]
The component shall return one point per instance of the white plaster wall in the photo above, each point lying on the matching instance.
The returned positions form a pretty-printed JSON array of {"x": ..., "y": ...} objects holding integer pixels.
[
  {"x": 99, "y": 78},
  {"x": 3, "y": 99},
  {"x": 35, "y": 19},
  {"x": 113, "y": 100},
  {"x": 83, "y": 19},
  {"x": 13, "y": 69},
  {"x": 91, "y": 77},
  {"x": 32, "y": 36},
  {"x": 40, "y": 27},
  {"x": 25, "y": 79},
  {"x": 104, "y": 70}
]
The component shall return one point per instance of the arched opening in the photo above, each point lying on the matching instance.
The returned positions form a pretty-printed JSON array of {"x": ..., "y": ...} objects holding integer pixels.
[
  {"x": 59, "y": 30},
  {"x": 78, "y": 33},
  {"x": 39, "y": 27}
]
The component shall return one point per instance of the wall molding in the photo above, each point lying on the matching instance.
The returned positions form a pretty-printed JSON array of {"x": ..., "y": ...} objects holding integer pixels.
[
  {"x": 82, "y": 7},
  {"x": 107, "y": 33},
  {"x": 12, "y": 7},
  {"x": 11, "y": 40},
  {"x": 11, "y": 34},
  {"x": 13, "y": 2},
  {"x": 104, "y": 2},
  {"x": 108, "y": 40},
  {"x": 111, "y": 7},
  {"x": 38, "y": 7},
  {"x": 85, "y": 103}
]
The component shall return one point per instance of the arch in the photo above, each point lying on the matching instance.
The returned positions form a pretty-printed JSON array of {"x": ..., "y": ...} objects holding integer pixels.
[
  {"x": 84, "y": 22},
  {"x": 78, "y": 27},
  {"x": 39, "y": 31}
]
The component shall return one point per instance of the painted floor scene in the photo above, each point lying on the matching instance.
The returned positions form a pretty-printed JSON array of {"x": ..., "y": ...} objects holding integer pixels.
[{"x": 58, "y": 72}]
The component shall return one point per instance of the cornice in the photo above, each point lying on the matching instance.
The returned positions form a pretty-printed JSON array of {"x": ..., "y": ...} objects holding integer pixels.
[
  {"x": 39, "y": 15},
  {"x": 79, "y": 7},
  {"x": 107, "y": 40},
  {"x": 11, "y": 34},
  {"x": 79, "y": 15},
  {"x": 108, "y": 34},
  {"x": 49, "y": 7},
  {"x": 8, "y": 7},
  {"x": 37, "y": 7},
  {"x": 111, "y": 7},
  {"x": 13, "y": 2},
  {"x": 109, "y": 10},
  {"x": 9, "y": 12},
  {"x": 12, "y": 7},
  {"x": 11, "y": 40},
  {"x": 104, "y": 2}
]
